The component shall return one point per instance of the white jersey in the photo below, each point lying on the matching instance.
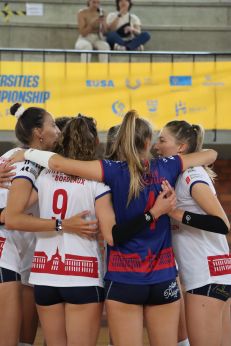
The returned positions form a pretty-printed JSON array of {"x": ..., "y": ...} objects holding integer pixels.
[
  {"x": 202, "y": 257},
  {"x": 64, "y": 259},
  {"x": 16, "y": 247}
]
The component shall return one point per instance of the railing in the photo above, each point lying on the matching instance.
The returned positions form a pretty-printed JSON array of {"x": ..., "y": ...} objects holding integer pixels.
[{"x": 151, "y": 55}]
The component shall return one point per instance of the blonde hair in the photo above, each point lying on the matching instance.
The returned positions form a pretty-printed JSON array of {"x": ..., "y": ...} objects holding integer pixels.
[
  {"x": 192, "y": 135},
  {"x": 129, "y": 143}
]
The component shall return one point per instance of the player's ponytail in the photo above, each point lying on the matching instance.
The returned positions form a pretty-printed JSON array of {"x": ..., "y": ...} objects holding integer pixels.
[{"x": 130, "y": 142}]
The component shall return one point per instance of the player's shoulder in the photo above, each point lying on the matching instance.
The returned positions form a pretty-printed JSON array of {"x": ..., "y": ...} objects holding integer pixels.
[
  {"x": 83, "y": 11},
  {"x": 194, "y": 172},
  {"x": 8, "y": 154}
]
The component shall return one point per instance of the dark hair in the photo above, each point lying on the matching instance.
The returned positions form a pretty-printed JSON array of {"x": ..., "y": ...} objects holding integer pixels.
[
  {"x": 78, "y": 139},
  {"x": 61, "y": 122},
  {"x": 130, "y": 4},
  {"x": 32, "y": 117},
  {"x": 111, "y": 137}
]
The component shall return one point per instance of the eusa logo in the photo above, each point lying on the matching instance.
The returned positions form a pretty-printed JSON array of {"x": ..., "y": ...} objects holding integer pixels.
[{"x": 100, "y": 83}]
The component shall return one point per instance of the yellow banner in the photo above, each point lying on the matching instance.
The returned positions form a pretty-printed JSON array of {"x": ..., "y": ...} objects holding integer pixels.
[{"x": 198, "y": 92}]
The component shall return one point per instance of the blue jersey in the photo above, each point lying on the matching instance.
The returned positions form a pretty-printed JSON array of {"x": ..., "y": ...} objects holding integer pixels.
[{"x": 148, "y": 257}]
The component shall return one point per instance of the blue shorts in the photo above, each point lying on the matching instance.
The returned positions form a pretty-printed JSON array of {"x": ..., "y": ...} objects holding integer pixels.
[
  {"x": 221, "y": 292},
  {"x": 155, "y": 294},
  {"x": 7, "y": 275},
  {"x": 47, "y": 295}
]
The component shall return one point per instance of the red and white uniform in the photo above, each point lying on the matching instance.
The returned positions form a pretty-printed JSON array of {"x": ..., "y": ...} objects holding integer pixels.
[
  {"x": 64, "y": 259},
  {"x": 202, "y": 257},
  {"x": 16, "y": 247}
]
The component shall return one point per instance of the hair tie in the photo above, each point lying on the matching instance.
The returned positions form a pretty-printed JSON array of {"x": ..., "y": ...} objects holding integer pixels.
[
  {"x": 194, "y": 128},
  {"x": 19, "y": 112}
]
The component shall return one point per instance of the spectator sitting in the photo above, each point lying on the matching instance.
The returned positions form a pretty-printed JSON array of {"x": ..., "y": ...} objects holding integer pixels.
[
  {"x": 125, "y": 28},
  {"x": 92, "y": 27}
]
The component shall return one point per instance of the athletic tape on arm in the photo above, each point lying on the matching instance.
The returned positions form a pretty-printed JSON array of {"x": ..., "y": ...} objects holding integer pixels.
[{"x": 40, "y": 157}]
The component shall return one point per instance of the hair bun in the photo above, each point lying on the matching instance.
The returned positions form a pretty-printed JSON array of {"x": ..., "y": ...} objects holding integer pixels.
[{"x": 17, "y": 110}]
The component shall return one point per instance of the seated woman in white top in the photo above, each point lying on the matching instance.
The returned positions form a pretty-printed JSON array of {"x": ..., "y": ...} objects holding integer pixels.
[{"x": 124, "y": 28}]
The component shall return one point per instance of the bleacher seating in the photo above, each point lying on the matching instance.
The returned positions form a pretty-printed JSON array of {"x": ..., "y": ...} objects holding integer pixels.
[{"x": 183, "y": 25}]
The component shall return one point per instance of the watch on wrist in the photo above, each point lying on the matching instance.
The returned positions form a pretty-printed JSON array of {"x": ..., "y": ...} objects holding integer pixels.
[
  {"x": 148, "y": 217},
  {"x": 58, "y": 225}
]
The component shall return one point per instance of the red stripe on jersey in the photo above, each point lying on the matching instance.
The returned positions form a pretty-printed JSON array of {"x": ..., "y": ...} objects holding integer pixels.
[
  {"x": 119, "y": 262},
  {"x": 2, "y": 242},
  {"x": 219, "y": 265}
]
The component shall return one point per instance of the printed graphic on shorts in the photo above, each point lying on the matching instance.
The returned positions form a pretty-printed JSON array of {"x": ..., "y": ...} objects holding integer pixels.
[
  {"x": 219, "y": 265},
  {"x": 72, "y": 265},
  {"x": 221, "y": 291},
  {"x": 2, "y": 242},
  {"x": 120, "y": 262},
  {"x": 172, "y": 291}
]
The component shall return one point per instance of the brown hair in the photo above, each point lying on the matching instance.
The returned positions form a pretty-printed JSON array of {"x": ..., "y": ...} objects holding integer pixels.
[
  {"x": 78, "y": 139},
  {"x": 60, "y": 122}
]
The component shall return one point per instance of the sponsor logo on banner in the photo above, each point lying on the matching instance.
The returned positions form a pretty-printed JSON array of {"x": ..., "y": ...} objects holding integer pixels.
[
  {"x": 100, "y": 83},
  {"x": 118, "y": 108},
  {"x": 133, "y": 85},
  {"x": 210, "y": 82},
  {"x": 180, "y": 108},
  {"x": 180, "y": 80},
  {"x": 137, "y": 83},
  {"x": 152, "y": 105}
]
